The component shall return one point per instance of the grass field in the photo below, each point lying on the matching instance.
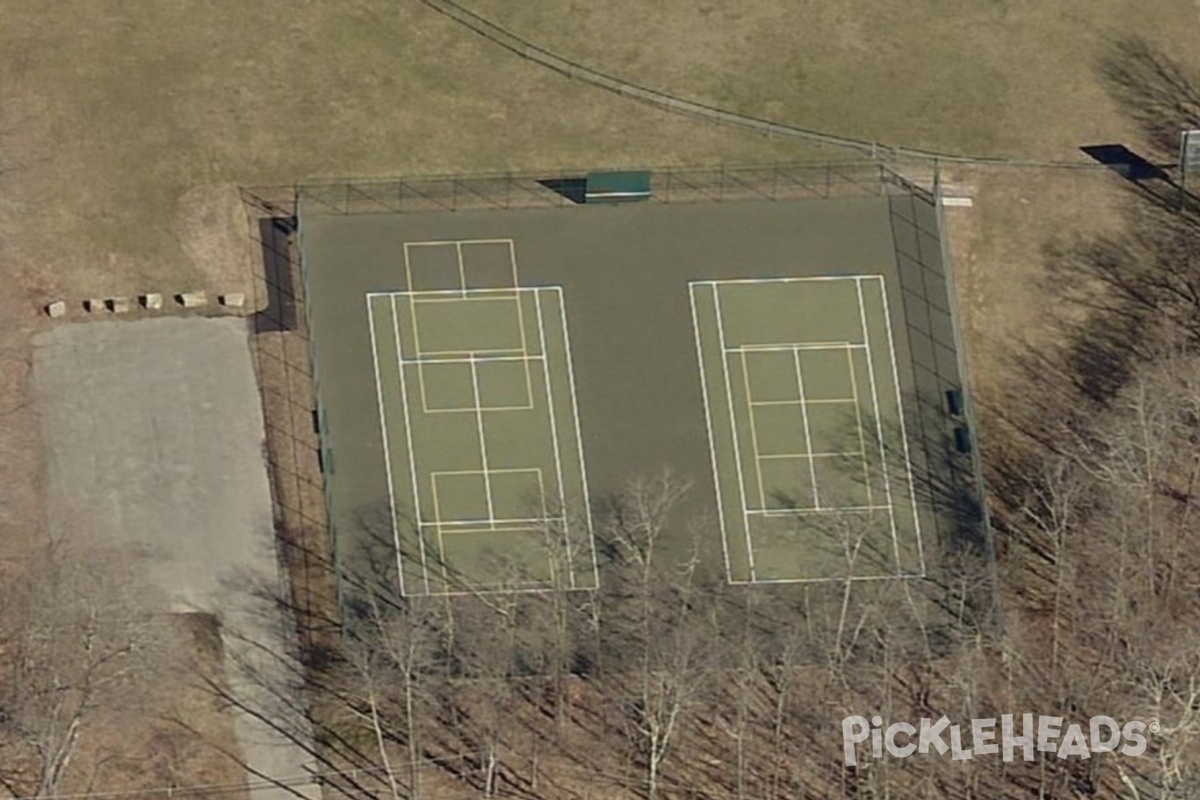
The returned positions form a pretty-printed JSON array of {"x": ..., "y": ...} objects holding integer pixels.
[
  {"x": 121, "y": 160},
  {"x": 1000, "y": 77}
]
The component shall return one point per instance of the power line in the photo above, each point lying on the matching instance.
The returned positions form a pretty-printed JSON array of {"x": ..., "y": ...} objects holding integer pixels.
[{"x": 572, "y": 69}]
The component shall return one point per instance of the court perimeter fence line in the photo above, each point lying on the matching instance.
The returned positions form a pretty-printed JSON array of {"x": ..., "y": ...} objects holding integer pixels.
[
  {"x": 512, "y": 190},
  {"x": 563, "y": 188}
]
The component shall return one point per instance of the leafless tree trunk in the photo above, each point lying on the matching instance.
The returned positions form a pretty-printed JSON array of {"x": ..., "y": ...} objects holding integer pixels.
[{"x": 75, "y": 638}]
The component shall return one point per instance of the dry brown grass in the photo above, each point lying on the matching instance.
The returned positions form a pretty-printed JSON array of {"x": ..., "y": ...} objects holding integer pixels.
[
  {"x": 125, "y": 129},
  {"x": 1000, "y": 77},
  {"x": 173, "y": 734},
  {"x": 1000, "y": 249}
]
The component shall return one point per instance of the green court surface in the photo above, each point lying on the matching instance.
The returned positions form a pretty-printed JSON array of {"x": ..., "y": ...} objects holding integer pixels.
[
  {"x": 806, "y": 428},
  {"x": 482, "y": 447},
  {"x": 489, "y": 384}
]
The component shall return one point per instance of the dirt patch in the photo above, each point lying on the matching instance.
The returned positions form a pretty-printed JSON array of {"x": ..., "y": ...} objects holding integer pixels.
[{"x": 210, "y": 223}]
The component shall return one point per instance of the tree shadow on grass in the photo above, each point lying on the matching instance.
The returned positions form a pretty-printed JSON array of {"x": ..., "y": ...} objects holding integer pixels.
[
  {"x": 1153, "y": 89},
  {"x": 1122, "y": 298}
]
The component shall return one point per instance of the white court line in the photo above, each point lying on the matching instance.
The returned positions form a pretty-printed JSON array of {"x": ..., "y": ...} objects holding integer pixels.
[
  {"x": 787, "y": 347},
  {"x": 487, "y": 481},
  {"x": 475, "y": 591},
  {"x": 550, "y": 411},
  {"x": 435, "y": 242},
  {"x": 712, "y": 442},
  {"x": 476, "y": 355},
  {"x": 762, "y": 495},
  {"x": 412, "y": 454},
  {"x": 462, "y": 271},
  {"x": 432, "y": 295},
  {"x": 387, "y": 456},
  {"x": 498, "y": 525},
  {"x": 441, "y": 299},
  {"x": 818, "y": 402},
  {"x": 525, "y": 342},
  {"x": 737, "y": 451},
  {"x": 530, "y": 527},
  {"x": 840, "y": 579},
  {"x": 489, "y": 409},
  {"x": 912, "y": 493},
  {"x": 887, "y": 481},
  {"x": 486, "y": 354},
  {"x": 814, "y": 278},
  {"x": 812, "y": 467},
  {"x": 412, "y": 316},
  {"x": 521, "y": 311},
  {"x": 587, "y": 501},
  {"x": 862, "y": 442},
  {"x": 437, "y": 530},
  {"x": 811, "y": 455},
  {"x": 501, "y": 471},
  {"x": 789, "y": 512},
  {"x": 512, "y": 261}
]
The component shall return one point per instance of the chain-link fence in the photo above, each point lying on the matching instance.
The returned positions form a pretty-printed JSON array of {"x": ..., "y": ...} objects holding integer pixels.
[{"x": 565, "y": 188}]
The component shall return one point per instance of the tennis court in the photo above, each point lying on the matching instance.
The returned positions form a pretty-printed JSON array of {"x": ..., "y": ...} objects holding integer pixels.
[
  {"x": 806, "y": 428},
  {"x": 789, "y": 362},
  {"x": 486, "y": 480}
]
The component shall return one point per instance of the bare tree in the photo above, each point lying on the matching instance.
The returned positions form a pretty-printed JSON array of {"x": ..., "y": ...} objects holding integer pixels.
[
  {"x": 392, "y": 654},
  {"x": 74, "y": 639}
]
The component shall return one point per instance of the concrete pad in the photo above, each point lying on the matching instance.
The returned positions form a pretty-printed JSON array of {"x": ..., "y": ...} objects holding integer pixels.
[
  {"x": 152, "y": 301},
  {"x": 154, "y": 434},
  {"x": 56, "y": 309},
  {"x": 193, "y": 299}
]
